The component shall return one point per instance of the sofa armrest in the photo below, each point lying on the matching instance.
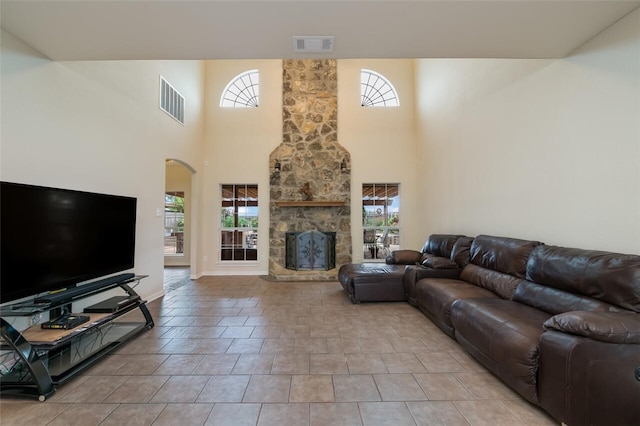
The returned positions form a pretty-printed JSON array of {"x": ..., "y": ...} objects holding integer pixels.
[
  {"x": 610, "y": 327},
  {"x": 404, "y": 257},
  {"x": 585, "y": 381}
]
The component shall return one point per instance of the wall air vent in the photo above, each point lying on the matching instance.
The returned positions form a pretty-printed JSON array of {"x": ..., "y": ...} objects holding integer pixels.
[
  {"x": 313, "y": 44},
  {"x": 171, "y": 101}
]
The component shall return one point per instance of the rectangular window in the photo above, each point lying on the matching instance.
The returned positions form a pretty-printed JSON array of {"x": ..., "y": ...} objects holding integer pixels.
[
  {"x": 174, "y": 223},
  {"x": 239, "y": 222},
  {"x": 380, "y": 219}
]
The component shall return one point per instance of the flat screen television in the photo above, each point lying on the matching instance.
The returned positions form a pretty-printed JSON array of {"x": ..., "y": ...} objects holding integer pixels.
[{"x": 54, "y": 238}]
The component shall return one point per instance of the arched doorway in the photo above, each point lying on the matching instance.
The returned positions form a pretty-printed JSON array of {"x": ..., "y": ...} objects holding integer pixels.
[{"x": 178, "y": 221}]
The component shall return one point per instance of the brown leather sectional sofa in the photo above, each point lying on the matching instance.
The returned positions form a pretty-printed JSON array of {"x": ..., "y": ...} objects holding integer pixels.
[{"x": 561, "y": 326}]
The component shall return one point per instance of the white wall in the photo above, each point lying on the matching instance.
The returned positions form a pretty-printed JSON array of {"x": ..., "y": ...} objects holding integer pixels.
[
  {"x": 536, "y": 149},
  {"x": 382, "y": 144},
  {"x": 236, "y": 151},
  {"x": 96, "y": 126}
]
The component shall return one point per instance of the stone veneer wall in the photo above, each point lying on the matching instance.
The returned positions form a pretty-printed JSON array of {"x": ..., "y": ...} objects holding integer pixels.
[{"x": 309, "y": 153}]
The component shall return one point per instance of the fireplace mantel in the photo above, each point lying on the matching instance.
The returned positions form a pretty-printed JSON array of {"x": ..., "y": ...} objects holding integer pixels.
[{"x": 309, "y": 203}]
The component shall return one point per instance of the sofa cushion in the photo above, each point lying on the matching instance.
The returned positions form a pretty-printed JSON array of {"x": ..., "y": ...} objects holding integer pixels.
[
  {"x": 556, "y": 301},
  {"x": 506, "y": 255},
  {"x": 503, "y": 285},
  {"x": 612, "y": 327},
  {"x": 437, "y": 262},
  {"x": 611, "y": 277},
  {"x": 440, "y": 244},
  {"x": 404, "y": 257},
  {"x": 434, "y": 297},
  {"x": 460, "y": 251},
  {"x": 503, "y": 335}
]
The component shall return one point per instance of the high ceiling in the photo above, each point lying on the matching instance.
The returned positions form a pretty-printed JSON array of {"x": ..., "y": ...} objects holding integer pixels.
[{"x": 244, "y": 29}]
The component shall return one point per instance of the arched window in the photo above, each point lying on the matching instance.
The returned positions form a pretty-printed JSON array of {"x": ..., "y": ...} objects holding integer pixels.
[
  {"x": 242, "y": 91},
  {"x": 376, "y": 90}
]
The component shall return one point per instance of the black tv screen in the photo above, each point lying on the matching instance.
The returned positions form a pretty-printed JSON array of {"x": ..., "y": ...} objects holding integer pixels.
[{"x": 55, "y": 238}]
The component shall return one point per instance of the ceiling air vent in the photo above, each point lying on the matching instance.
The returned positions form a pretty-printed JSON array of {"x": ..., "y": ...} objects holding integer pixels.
[
  {"x": 313, "y": 44},
  {"x": 171, "y": 101}
]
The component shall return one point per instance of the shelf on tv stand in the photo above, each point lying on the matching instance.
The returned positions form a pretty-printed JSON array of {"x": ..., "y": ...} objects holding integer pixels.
[{"x": 48, "y": 358}]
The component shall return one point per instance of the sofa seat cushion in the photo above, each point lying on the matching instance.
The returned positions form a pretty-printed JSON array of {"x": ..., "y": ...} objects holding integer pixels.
[
  {"x": 372, "y": 282},
  {"x": 504, "y": 336},
  {"x": 434, "y": 297}
]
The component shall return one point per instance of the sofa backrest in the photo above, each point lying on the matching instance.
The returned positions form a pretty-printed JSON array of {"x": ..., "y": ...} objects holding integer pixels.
[
  {"x": 502, "y": 254},
  {"x": 461, "y": 250},
  {"x": 609, "y": 277},
  {"x": 440, "y": 245},
  {"x": 498, "y": 264}
]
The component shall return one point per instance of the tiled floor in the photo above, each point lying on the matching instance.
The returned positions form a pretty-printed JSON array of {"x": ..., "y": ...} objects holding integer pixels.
[{"x": 246, "y": 351}]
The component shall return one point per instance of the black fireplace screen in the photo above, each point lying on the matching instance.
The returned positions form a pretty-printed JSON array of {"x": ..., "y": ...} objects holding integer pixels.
[{"x": 310, "y": 250}]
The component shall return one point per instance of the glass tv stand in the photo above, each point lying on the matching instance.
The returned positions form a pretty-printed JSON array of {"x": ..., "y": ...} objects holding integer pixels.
[{"x": 35, "y": 361}]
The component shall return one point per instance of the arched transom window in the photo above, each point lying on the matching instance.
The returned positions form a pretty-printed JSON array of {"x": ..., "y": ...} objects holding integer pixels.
[
  {"x": 376, "y": 90},
  {"x": 242, "y": 91}
]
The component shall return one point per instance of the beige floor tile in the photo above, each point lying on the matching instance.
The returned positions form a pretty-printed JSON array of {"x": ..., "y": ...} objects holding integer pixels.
[
  {"x": 311, "y": 388},
  {"x": 234, "y": 415},
  {"x": 254, "y": 364},
  {"x": 96, "y": 389},
  {"x": 290, "y": 364},
  {"x": 83, "y": 415},
  {"x": 366, "y": 364},
  {"x": 245, "y": 346},
  {"x": 133, "y": 415},
  {"x": 485, "y": 386},
  {"x": 29, "y": 412},
  {"x": 440, "y": 362},
  {"x": 325, "y": 414},
  {"x": 328, "y": 364},
  {"x": 268, "y": 389},
  {"x": 178, "y": 364},
  {"x": 284, "y": 414},
  {"x": 385, "y": 414},
  {"x": 224, "y": 389},
  {"x": 355, "y": 388},
  {"x": 399, "y": 387},
  {"x": 436, "y": 413},
  {"x": 183, "y": 415},
  {"x": 343, "y": 345},
  {"x": 237, "y": 332},
  {"x": 212, "y": 346},
  {"x": 403, "y": 363},
  {"x": 442, "y": 386},
  {"x": 528, "y": 413},
  {"x": 280, "y": 345},
  {"x": 375, "y": 345},
  {"x": 487, "y": 413},
  {"x": 180, "y": 389},
  {"x": 217, "y": 364},
  {"x": 137, "y": 389},
  {"x": 142, "y": 364}
]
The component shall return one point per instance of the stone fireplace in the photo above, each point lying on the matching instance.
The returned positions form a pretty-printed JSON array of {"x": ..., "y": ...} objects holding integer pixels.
[{"x": 310, "y": 183}]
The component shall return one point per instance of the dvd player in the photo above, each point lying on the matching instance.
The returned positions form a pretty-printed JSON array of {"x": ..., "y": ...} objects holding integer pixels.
[{"x": 113, "y": 304}]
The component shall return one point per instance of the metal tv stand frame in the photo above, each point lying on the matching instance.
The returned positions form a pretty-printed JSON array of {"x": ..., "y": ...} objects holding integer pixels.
[{"x": 35, "y": 361}]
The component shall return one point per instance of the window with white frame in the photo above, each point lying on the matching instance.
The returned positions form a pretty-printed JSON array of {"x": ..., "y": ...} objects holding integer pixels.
[
  {"x": 243, "y": 91},
  {"x": 376, "y": 90},
  {"x": 239, "y": 222},
  {"x": 380, "y": 219}
]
